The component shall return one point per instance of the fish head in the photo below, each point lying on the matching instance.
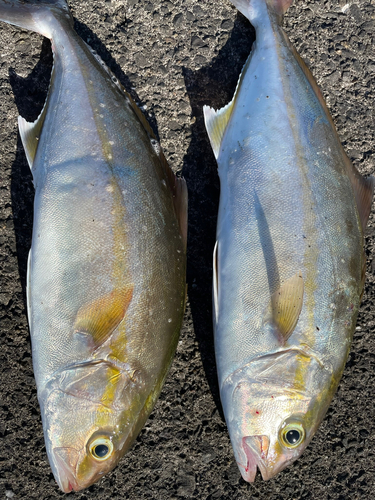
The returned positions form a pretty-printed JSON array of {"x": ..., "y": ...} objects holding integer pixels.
[
  {"x": 91, "y": 416},
  {"x": 272, "y": 439},
  {"x": 273, "y": 410},
  {"x": 77, "y": 466}
]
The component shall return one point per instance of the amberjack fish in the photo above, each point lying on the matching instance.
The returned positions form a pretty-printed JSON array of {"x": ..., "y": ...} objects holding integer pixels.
[
  {"x": 289, "y": 262},
  {"x": 106, "y": 271}
]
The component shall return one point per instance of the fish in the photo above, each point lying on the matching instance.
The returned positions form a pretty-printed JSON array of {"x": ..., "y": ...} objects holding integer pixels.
[
  {"x": 288, "y": 263},
  {"x": 106, "y": 270}
]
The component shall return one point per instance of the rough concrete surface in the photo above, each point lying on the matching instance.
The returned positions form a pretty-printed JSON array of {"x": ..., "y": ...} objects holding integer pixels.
[{"x": 175, "y": 56}]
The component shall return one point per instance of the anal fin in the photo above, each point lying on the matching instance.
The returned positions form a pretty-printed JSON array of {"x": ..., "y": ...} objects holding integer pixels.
[
  {"x": 30, "y": 133},
  {"x": 216, "y": 123}
]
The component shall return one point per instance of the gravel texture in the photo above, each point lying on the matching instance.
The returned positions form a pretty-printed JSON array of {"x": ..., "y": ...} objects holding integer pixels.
[{"x": 175, "y": 56}]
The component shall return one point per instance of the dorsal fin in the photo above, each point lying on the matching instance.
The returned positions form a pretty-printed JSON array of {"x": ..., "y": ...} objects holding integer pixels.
[
  {"x": 177, "y": 185},
  {"x": 285, "y": 306},
  {"x": 363, "y": 186},
  {"x": 363, "y": 191}
]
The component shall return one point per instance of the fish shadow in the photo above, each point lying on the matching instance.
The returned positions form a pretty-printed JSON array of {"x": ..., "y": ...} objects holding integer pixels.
[
  {"x": 30, "y": 94},
  {"x": 213, "y": 85}
]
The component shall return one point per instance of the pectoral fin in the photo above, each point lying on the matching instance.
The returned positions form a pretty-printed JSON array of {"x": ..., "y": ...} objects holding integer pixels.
[
  {"x": 286, "y": 304},
  {"x": 101, "y": 317}
]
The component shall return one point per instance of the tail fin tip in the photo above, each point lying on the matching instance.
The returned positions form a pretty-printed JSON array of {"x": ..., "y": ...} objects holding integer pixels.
[
  {"x": 32, "y": 14},
  {"x": 279, "y": 6}
]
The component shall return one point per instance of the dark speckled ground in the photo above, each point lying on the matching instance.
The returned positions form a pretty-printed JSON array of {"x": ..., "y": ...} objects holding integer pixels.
[{"x": 174, "y": 57}]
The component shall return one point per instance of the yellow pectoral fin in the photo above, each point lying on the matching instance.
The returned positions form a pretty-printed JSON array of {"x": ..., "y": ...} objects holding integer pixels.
[
  {"x": 99, "y": 318},
  {"x": 286, "y": 304}
]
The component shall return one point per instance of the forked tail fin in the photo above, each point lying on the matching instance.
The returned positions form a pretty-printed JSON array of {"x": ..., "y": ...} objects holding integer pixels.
[
  {"x": 251, "y": 8},
  {"x": 35, "y": 16}
]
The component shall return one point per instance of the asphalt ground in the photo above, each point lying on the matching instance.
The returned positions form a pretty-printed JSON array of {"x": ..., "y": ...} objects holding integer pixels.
[{"x": 174, "y": 57}]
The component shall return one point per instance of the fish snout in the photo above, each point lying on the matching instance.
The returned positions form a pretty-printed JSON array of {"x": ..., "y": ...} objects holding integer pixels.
[
  {"x": 256, "y": 451},
  {"x": 66, "y": 460}
]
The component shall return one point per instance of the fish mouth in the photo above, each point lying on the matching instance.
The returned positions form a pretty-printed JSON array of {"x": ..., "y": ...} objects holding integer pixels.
[
  {"x": 256, "y": 450},
  {"x": 66, "y": 460},
  {"x": 248, "y": 471}
]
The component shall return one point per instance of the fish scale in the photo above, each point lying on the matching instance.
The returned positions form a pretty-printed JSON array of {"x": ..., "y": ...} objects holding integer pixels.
[{"x": 289, "y": 259}]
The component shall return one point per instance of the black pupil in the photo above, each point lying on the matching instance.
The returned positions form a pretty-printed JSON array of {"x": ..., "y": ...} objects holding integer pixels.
[
  {"x": 292, "y": 436},
  {"x": 101, "y": 450}
]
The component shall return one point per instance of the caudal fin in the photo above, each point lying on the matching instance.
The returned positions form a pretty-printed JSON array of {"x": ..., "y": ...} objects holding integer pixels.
[
  {"x": 35, "y": 15},
  {"x": 249, "y": 7}
]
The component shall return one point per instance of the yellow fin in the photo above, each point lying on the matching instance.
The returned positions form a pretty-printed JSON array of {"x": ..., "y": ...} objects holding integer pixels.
[
  {"x": 99, "y": 318},
  {"x": 216, "y": 123},
  {"x": 286, "y": 304}
]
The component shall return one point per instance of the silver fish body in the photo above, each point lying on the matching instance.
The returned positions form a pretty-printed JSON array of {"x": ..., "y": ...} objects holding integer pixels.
[
  {"x": 106, "y": 274},
  {"x": 289, "y": 259}
]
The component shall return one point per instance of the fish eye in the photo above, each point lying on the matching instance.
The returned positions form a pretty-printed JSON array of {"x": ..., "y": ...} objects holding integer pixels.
[
  {"x": 292, "y": 434},
  {"x": 101, "y": 448}
]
